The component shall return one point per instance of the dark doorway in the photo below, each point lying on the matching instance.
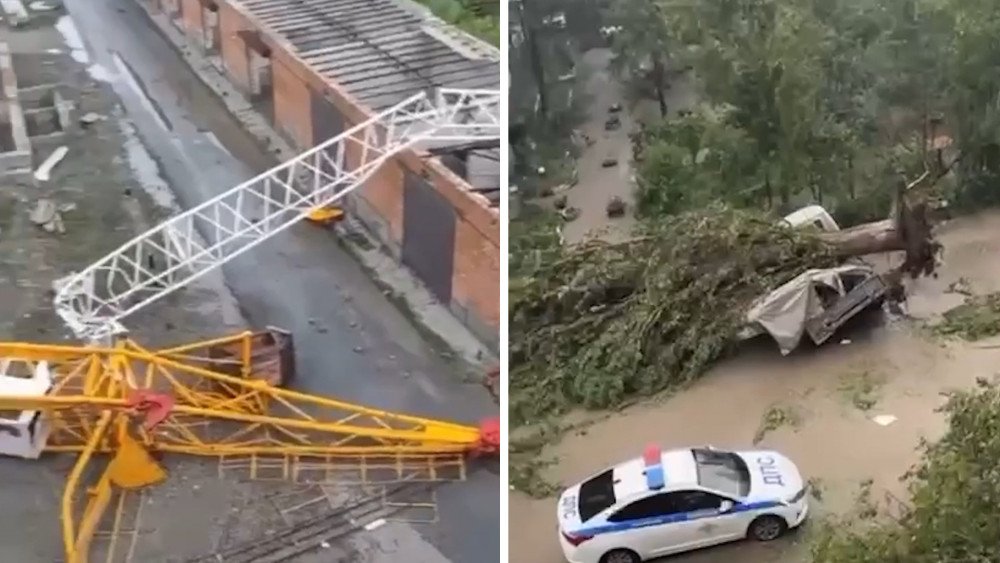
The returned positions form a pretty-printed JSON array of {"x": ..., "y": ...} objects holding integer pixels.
[{"x": 428, "y": 235}]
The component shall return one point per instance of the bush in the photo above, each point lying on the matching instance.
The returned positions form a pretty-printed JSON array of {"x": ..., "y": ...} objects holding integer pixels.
[{"x": 955, "y": 496}]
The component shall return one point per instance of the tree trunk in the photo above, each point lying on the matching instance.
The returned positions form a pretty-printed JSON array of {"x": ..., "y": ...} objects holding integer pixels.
[
  {"x": 527, "y": 26},
  {"x": 869, "y": 238},
  {"x": 659, "y": 79},
  {"x": 908, "y": 231}
]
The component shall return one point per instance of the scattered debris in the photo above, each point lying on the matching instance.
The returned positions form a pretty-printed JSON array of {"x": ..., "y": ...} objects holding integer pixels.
[
  {"x": 90, "y": 118},
  {"x": 40, "y": 6},
  {"x": 960, "y": 286},
  {"x": 46, "y": 215},
  {"x": 861, "y": 388},
  {"x": 884, "y": 419},
  {"x": 67, "y": 207},
  {"x": 776, "y": 417},
  {"x": 816, "y": 487},
  {"x": 45, "y": 170},
  {"x": 570, "y": 213},
  {"x": 976, "y": 319},
  {"x": 616, "y": 207}
]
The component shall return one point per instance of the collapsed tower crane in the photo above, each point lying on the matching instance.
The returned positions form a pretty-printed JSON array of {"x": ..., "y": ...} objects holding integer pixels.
[{"x": 225, "y": 398}]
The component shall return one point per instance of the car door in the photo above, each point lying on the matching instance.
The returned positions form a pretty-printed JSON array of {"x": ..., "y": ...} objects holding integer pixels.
[
  {"x": 711, "y": 518},
  {"x": 653, "y": 525}
]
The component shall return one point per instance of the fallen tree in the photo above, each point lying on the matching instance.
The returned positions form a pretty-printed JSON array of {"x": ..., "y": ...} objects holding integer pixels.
[{"x": 599, "y": 322}]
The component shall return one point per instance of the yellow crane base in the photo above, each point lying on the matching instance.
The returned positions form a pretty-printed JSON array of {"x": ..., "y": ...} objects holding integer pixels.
[{"x": 219, "y": 398}]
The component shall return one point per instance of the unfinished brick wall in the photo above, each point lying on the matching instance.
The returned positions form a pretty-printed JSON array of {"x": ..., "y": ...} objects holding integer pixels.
[
  {"x": 475, "y": 279},
  {"x": 233, "y": 49},
  {"x": 191, "y": 14}
]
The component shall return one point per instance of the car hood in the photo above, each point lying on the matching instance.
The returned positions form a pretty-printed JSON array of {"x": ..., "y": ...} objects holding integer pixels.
[{"x": 772, "y": 475}]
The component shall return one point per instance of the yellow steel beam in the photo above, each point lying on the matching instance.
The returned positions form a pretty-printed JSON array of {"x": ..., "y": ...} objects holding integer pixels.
[
  {"x": 76, "y": 539},
  {"x": 297, "y": 423}
]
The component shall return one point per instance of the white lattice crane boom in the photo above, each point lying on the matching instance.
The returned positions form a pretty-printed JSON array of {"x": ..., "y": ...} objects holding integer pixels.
[{"x": 93, "y": 302}]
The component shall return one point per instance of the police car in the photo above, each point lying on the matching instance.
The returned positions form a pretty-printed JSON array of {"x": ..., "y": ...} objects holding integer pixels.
[{"x": 673, "y": 501}]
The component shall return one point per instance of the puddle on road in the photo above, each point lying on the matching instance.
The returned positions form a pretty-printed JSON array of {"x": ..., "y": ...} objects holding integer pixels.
[
  {"x": 145, "y": 169},
  {"x": 836, "y": 440}
]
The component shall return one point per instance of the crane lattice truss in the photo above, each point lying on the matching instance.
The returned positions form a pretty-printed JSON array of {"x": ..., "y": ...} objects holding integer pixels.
[
  {"x": 93, "y": 302},
  {"x": 131, "y": 402},
  {"x": 197, "y": 401}
]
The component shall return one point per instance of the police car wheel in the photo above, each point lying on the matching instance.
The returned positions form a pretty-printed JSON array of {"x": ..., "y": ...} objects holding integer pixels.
[
  {"x": 621, "y": 556},
  {"x": 767, "y": 528}
]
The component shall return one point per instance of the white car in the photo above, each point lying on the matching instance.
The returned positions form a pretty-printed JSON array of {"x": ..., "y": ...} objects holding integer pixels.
[{"x": 673, "y": 501}]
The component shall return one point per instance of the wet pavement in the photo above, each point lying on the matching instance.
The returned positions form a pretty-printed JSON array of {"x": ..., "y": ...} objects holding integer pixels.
[{"x": 351, "y": 341}]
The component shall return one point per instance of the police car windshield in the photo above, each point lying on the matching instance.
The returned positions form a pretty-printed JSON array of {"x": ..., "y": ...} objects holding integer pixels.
[
  {"x": 596, "y": 495},
  {"x": 722, "y": 471}
]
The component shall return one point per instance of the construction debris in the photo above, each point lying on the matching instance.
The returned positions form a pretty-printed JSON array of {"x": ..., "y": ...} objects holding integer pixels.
[
  {"x": 40, "y": 6},
  {"x": 90, "y": 118},
  {"x": 46, "y": 215},
  {"x": 45, "y": 170}
]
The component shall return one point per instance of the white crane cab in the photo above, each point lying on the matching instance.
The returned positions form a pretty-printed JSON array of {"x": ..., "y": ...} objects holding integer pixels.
[{"x": 23, "y": 433}]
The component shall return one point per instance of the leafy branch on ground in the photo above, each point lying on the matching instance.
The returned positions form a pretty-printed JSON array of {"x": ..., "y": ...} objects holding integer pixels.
[
  {"x": 861, "y": 387},
  {"x": 976, "y": 319},
  {"x": 775, "y": 417}
]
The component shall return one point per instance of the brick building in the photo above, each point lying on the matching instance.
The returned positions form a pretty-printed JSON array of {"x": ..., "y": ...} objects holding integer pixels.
[{"x": 317, "y": 67}]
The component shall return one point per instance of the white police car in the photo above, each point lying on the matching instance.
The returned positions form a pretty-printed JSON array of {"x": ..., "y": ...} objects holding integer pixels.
[{"x": 673, "y": 501}]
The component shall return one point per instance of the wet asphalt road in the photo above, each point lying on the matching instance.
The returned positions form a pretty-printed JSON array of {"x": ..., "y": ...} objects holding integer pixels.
[{"x": 300, "y": 280}]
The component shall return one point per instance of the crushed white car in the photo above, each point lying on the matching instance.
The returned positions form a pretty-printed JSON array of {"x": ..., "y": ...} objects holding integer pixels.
[{"x": 669, "y": 502}]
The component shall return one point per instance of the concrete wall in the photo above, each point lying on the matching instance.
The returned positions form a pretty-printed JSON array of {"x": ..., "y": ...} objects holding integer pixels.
[{"x": 476, "y": 272}]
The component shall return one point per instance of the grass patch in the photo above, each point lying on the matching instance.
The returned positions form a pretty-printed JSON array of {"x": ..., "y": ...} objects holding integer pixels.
[
  {"x": 862, "y": 388},
  {"x": 777, "y": 416},
  {"x": 476, "y": 19},
  {"x": 977, "y": 318}
]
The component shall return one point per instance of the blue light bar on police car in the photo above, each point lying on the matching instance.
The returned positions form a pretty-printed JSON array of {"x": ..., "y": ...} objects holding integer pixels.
[{"x": 653, "y": 459}]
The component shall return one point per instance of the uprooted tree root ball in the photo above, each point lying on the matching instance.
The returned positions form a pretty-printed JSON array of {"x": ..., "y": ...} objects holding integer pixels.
[{"x": 600, "y": 322}]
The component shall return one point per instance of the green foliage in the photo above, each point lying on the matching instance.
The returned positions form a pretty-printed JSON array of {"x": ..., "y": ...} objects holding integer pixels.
[
  {"x": 825, "y": 91},
  {"x": 694, "y": 160},
  {"x": 977, "y": 318},
  {"x": 599, "y": 323},
  {"x": 485, "y": 26},
  {"x": 955, "y": 491},
  {"x": 641, "y": 45}
]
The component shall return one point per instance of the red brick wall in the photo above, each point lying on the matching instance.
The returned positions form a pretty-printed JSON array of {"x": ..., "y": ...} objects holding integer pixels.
[
  {"x": 476, "y": 275},
  {"x": 191, "y": 14},
  {"x": 233, "y": 49},
  {"x": 291, "y": 102}
]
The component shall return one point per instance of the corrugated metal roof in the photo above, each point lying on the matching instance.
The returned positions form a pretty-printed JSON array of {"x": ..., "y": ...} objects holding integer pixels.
[{"x": 376, "y": 49}]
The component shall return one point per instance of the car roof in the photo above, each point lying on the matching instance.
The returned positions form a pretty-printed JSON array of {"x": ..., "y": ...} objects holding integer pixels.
[{"x": 679, "y": 471}]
